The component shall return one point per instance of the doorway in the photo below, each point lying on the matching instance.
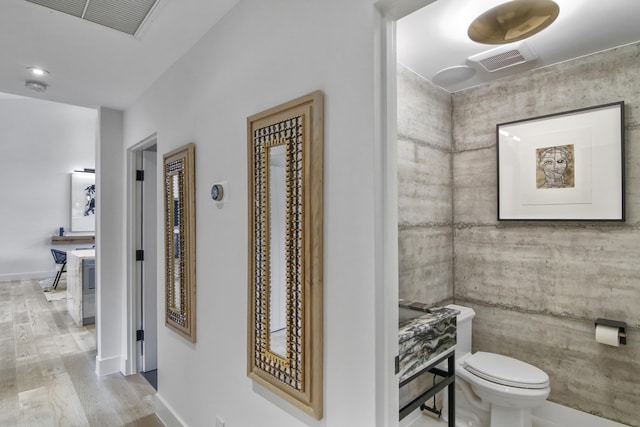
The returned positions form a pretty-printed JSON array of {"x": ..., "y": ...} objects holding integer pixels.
[
  {"x": 387, "y": 284},
  {"x": 141, "y": 263}
]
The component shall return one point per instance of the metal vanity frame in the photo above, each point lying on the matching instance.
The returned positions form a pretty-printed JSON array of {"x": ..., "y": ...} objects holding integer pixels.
[{"x": 447, "y": 381}]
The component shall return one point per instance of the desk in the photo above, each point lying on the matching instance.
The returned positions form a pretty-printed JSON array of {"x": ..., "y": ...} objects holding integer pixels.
[
  {"x": 73, "y": 240},
  {"x": 80, "y": 300}
]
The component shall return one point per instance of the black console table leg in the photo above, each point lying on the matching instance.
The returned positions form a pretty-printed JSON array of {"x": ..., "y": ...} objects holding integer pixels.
[
  {"x": 448, "y": 381},
  {"x": 451, "y": 390}
]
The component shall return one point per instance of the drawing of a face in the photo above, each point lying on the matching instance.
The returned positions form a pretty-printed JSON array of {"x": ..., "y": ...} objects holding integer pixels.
[{"x": 554, "y": 162}]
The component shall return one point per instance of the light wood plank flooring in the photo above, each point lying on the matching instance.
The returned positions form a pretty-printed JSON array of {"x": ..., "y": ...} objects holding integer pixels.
[{"x": 47, "y": 369}]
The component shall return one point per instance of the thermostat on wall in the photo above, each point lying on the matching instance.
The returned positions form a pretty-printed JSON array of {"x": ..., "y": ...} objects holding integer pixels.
[{"x": 217, "y": 191}]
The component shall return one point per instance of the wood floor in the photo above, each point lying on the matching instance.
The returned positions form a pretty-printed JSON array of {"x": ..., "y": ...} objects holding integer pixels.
[{"x": 47, "y": 369}]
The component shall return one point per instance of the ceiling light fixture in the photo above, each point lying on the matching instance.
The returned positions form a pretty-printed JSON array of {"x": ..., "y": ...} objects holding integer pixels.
[
  {"x": 513, "y": 21},
  {"x": 37, "y": 71},
  {"x": 35, "y": 86},
  {"x": 453, "y": 75}
]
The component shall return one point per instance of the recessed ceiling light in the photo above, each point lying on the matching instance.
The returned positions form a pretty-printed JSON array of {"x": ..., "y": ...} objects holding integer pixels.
[
  {"x": 37, "y": 71},
  {"x": 35, "y": 86},
  {"x": 453, "y": 75},
  {"x": 513, "y": 21}
]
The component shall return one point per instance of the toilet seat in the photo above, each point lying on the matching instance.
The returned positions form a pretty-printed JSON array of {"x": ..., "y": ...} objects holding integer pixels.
[{"x": 505, "y": 371}]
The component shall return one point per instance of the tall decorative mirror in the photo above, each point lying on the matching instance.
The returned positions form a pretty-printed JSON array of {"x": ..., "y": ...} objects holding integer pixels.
[
  {"x": 179, "y": 237},
  {"x": 285, "y": 251}
]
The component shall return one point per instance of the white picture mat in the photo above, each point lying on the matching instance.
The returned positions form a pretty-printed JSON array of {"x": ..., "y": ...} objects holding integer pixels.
[
  {"x": 530, "y": 194},
  {"x": 596, "y": 135},
  {"x": 79, "y": 221}
]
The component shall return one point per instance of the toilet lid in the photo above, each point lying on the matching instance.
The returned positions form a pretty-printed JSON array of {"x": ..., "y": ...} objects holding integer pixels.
[{"x": 506, "y": 370}]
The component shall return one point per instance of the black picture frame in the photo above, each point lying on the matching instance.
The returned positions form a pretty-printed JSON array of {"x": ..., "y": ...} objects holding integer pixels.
[{"x": 567, "y": 166}]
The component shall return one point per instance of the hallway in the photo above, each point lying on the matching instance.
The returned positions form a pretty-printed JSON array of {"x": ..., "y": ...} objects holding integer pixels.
[{"x": 47, "y": 369}]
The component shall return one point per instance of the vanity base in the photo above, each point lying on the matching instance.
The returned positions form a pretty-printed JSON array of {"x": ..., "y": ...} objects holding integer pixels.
[{"x": 448, "y": 380}]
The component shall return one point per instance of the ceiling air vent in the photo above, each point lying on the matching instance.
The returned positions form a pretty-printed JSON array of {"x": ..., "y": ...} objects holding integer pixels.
[
  {"x": 504, "y": 56},
  {"x": 122, "y": 15}
]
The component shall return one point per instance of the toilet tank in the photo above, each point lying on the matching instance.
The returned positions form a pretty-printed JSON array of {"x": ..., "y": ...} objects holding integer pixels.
[{"x": 463, "y": 320}]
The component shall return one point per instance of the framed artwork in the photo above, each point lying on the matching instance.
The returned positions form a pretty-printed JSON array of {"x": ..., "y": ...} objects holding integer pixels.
[
  {"x": 565, "y": 166},
  {"x": 83, "y": 201}
]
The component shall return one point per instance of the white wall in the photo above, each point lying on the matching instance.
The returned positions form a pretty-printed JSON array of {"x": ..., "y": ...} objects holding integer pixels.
[
  {"x": 110, "y": 243},
  {"x": 260, "y": 55},
  {"x": 42, "y": 143}
]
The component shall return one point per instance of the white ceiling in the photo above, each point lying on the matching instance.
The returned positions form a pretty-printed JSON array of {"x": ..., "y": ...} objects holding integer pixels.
[
  {"x": 91, "y": 65},
  {"x": 435, "y": 37}
]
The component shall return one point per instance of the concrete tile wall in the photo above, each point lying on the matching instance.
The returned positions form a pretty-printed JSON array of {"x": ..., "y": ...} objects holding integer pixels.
[
  {"x": 425, "y": 233},
  {"x": 537, "y": 287},
  {"x": 585, "y": 375}
]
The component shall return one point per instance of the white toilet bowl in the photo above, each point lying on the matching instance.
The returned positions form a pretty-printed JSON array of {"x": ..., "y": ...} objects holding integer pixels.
[
  {"x": 499, "y": 390},
  {"x": 492, "y": 390}
]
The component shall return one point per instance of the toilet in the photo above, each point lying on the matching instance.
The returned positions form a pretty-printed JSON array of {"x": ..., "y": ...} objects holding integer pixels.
[{"x": 493, "y": 390}]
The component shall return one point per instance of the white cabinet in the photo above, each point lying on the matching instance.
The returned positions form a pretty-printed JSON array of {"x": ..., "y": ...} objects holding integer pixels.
[{"x": 81, "y": 286}]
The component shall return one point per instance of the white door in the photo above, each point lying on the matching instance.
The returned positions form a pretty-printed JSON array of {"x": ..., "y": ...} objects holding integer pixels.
[{"x": 149, "y": 309}]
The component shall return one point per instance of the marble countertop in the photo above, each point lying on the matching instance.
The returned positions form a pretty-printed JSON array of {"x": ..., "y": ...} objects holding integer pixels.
[
  {"x": 424, "y": 338},
  {"x": 75, "y": 302},
  {"x": 83, "y": 253},
  {"x": 429, "y": 320}
]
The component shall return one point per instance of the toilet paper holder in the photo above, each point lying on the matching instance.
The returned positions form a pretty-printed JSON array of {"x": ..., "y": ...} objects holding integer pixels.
[{"x": 622, "y": 334}]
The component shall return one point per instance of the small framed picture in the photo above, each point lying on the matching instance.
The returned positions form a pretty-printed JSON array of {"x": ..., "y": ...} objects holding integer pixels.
[
  {"x": 83, "y": 201},
  {"x": 565, "y": 166}
]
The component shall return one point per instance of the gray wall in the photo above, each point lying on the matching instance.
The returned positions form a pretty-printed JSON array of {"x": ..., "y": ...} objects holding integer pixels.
[
  {"x": 425, "y": 232},
  {"x": 537, "y": 287}
]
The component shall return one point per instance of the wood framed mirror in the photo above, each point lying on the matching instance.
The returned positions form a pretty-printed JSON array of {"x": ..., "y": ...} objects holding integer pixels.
[
  {"x": 179, "y": 238},
  {"x": 285, "y": 150}
]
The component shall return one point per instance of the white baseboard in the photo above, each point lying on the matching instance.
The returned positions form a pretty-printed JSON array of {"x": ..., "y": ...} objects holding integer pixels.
[
  {"x": 107, "y": 366},
  {"x": 32, "y": 275},
  {"x": 549, "y": 414},
  {"x": 557, "y": 415},
  {"x": 167, "y": 414},
  {"x": 412, "y": 418}
]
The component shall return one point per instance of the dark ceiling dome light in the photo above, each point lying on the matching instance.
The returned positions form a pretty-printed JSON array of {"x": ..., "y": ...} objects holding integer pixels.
[
  {"x": 513, "y": 21},
  {"x": 35, "y": 86}
]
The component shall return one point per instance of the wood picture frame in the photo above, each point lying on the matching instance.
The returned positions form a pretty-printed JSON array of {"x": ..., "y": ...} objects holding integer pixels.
[
  {"x": 285, "y": 144},
  {"x": 180, "y": 241}
]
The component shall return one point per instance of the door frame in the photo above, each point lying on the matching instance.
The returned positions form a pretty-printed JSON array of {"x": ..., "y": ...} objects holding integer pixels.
[
  {"x": 386, "y": 223},
  {"x": 132, "y": 364}
]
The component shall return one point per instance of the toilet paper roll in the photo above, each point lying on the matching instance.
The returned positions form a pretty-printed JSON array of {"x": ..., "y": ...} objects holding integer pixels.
[{"x": 607, "y": 335}]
